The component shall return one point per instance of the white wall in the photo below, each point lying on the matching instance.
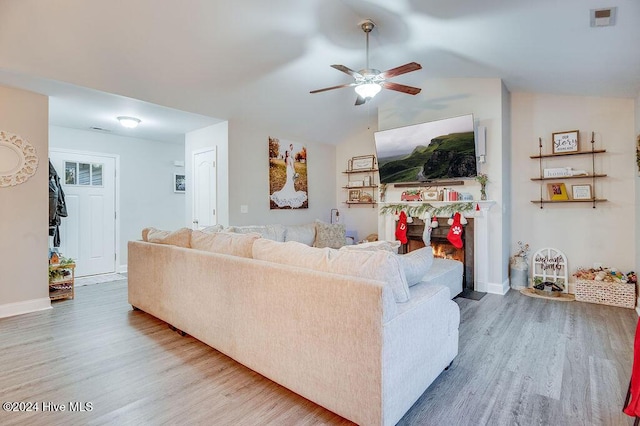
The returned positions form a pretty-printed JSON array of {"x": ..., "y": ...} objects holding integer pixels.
[
  {"x": 586, "y": 235},
  {"x": 249, "y": 177},
  {"x": 487, "y": 99},
  {"x": 146, "y": 179},
  {"x": 362, "y": 219},
  {"x": 24, "y": 209},
  {"x": 216, "y": 136}
]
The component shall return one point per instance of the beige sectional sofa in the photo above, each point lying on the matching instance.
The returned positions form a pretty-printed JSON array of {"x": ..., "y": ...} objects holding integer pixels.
[{"x": 320, "y": 329}]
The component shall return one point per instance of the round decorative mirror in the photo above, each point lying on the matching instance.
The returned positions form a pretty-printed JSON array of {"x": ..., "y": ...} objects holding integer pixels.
[{"x": 18, "y": 159}]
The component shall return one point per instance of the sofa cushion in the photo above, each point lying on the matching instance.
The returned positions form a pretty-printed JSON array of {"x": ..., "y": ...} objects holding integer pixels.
[
  {"x": 329, "y": 235},
  {"x": 180, "y": 237},
  {"x": 390, "y": 246},
  {"x": 305, "y": 234},
  {"x": 378, "y": 265},
  {"x": 416, "y": 264},
  {"x": 224, "y": 242},
  {"x": 270, "y": 232}
]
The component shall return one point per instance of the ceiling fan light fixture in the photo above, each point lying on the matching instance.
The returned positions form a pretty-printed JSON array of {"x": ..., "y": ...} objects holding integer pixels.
[
  {"x": 129, "y": 122},
  {"x": 368, "y": 90}
]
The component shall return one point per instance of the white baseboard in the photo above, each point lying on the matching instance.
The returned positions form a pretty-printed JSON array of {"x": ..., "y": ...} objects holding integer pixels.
[
  {"x": 122, "y": 269},
  {"x": 501, "y": 289},
  {"x": 24, "y": 307}
]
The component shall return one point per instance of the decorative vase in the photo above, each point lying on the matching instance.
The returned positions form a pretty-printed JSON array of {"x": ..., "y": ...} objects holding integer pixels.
[
  {"x": 519, "y": 273},
  {"x": 483, "y": 193}
]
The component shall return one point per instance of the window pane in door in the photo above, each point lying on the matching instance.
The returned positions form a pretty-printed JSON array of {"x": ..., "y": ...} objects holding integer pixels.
[
  {"x": 70, "y": 173},
  {"x": 84, "y": 174},
  {"x": 96, "y": 174}
]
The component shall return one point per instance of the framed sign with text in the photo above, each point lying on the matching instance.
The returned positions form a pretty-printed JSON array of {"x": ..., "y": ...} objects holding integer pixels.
[{"x": 565, "y": 142}]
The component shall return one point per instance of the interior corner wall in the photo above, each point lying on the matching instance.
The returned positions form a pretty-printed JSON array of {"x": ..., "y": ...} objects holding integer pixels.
[
  {"x": 24, "y": 209},
  {"x": 507, "y": 217},
  {"x": 586, "y": 235},
  {"x": 451, "y": 97},
  {"x": 217, "y": 136},
  {"x": 249, "y": 177},
  {"x": 360, "y": 219},
  {"x": 146, "y": 180}
]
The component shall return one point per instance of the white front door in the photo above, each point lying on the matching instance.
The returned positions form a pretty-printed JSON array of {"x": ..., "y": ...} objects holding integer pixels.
[
  {"x": 87, "y": 234},
  {"x": 204, "y": 188}
]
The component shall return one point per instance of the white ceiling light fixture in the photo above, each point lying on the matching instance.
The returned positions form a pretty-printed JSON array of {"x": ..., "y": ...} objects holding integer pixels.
[
  {"x": 129, "y": 122},
  {"x": 368, "y": 90}
]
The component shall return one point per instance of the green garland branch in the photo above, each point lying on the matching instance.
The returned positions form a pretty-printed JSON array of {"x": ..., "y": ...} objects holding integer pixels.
[{"x": 419, "y": 210}]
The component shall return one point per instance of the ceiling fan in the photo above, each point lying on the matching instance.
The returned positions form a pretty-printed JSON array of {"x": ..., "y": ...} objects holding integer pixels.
[{"x": 369, "y": 81}]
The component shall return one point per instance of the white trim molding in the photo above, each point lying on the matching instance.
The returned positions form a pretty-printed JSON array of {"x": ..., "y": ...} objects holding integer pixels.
[{"x": 24, "y": 307}]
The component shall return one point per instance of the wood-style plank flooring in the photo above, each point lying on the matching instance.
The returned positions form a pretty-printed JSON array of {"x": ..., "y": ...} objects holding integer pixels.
[{"x": 522, "y": 361}]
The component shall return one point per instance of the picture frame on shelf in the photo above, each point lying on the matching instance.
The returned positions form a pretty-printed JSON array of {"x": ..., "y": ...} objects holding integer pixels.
[
  {"x": 362, "y": 163},
  {"x": 179, "y": 182},
  {"x": 354, "y": 195},
  {"x": 557, "y": 191},
  {"x": 564, "y": 142},
  {"x": 581, "y": 192}
]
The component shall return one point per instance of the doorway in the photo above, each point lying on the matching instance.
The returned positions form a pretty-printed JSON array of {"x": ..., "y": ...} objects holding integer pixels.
[
  {"x": 89, "y": 233},
  {"x": 204, "y": 188}
]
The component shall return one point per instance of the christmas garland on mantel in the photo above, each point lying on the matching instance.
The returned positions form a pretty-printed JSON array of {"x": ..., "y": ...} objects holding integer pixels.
[{"x": 419, "y": 210}]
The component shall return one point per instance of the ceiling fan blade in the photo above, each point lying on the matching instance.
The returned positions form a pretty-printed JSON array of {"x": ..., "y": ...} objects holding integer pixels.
[
  {"x": 400, "y": 88},
  {"x": 360, "y": 100},
  {"x": 402, "y": 69},
  {"x": 347, "y": 70},
  {"x": 333, "y": 87}
]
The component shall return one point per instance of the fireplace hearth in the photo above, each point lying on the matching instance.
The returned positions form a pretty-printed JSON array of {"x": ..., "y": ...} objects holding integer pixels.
[{"x": 442, "y": 248}]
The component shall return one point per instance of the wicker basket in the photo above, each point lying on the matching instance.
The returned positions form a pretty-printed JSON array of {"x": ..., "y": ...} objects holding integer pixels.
[{"x": 606, "y": 293}]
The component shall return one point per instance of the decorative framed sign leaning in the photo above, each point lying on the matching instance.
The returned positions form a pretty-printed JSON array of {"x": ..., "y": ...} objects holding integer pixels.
[
  {"x": 354, "y": 195},
  {"x": 581, "y": 192},
  {"x": 179, "y": 182},
  {"x": 565, "y": 141},
  {"x": 557, "y": 191},
  {"x": 363, "y": 163}
]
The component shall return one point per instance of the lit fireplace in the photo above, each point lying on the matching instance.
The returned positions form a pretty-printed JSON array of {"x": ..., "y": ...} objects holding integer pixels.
[{"x": 442, "y": 248}]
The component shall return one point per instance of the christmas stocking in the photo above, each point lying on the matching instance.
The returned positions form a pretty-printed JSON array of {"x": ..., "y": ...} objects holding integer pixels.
[
  {"x": 455, "y": 232},
  {"x": 426, "y": 234},
  {"x": 401, "y": 229}
]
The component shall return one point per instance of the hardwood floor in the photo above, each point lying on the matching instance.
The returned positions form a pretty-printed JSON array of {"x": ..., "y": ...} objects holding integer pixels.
[{"x": 522, "y": 361}]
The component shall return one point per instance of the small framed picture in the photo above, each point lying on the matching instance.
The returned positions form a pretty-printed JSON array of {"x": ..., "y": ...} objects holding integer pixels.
[
  {"x": 354, "y": 195},
  {"x": 565, "y": 142},
  {"x": 363, "y": 162},
  {"x": 179, "y": 182},
  {"x": 581, "y": 192},
  {"x": 557, "y": 191}
]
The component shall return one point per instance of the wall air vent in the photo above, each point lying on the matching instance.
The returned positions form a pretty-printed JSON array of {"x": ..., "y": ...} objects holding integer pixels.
[{"x": 603, "y": 17}]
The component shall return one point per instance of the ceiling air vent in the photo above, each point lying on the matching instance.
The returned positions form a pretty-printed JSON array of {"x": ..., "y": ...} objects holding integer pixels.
[
  {"x": 603, "y": 17},
  {"x": 99, "y": 129}
]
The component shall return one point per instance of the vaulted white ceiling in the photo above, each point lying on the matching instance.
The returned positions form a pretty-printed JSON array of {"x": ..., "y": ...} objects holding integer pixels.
[{"x": 259, "y": 59}]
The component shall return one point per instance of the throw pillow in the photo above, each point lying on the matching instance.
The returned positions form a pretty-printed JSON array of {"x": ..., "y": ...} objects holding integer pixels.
[
  {"x": 180, "y": 237},
  {"x": 225, "y": 243},
  {"x": 270, "y": 232},
  {"x": 305, "y": 234},
  {"x": 416, "y": 264},
  {"x": 390, "y": 246},
  {"x": 328, "y": 235},
  {"x": 213, "y": 229}
]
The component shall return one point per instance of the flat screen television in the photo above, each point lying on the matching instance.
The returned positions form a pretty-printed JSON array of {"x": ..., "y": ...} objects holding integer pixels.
[{"x": 432, "y": 151}]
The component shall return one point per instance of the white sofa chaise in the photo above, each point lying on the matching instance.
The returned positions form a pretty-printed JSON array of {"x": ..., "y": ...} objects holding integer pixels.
[{"x": 341, "y": 341}]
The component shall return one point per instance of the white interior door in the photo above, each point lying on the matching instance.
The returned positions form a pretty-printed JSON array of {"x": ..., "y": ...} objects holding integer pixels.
[
  {"x": 204, "y": 188},
  {"x": 88, "y": 233}
]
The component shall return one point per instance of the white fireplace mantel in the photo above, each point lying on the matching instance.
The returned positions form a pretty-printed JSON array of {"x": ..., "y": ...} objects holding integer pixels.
[{"x": 387, "y": 224}]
